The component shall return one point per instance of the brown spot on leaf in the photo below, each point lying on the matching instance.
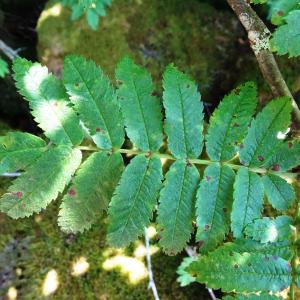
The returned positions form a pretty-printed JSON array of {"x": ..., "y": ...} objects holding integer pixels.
[
  {"x": 237, "y": 91},
  {"x": 267, "y": 258},
  {"x": 18, "y": 194},
  {"x": 280, "y": 13},
  {"x": 225, "y": 209},
  {"x": 72, "y": 192},
  {"x": 154, "y": 94},
  {"x": 276, "y": 167},
  {"x": 208, "y": 178},
  {"x": 98, "y": 129},
  {"x": 206, "y": 227},
  {"x": 260, "y": 158},
  {"x": 290, "y": 144}
]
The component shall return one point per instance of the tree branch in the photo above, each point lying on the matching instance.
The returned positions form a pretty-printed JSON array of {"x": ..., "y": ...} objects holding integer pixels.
[
  {"x": 193, "y": 253},
  {"x": 151, "y": 285},
  {"x": 9, "y": 52},
  {"x": 258, "y": 35}
]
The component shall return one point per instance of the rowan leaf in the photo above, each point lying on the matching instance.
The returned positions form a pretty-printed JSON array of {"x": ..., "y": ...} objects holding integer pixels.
[
  {"x": 262, "y": 139},
  {"x": 95, "y": 101},
  {"x": 48, "y": 102},
  {"x": 176, "y": 208},
  {"x": 280, "y": 194},
  {"x": 286, "y": 38},
  {"x": 214, "y": 200},
  {"x": 134, "y": 200},
  {"x": 141, "y": 111},
  {"x": 248, "y": 200},
  {"x": 18, "y": 150},
  {"x": 241, "y": 272},
  {"x": 279, "y": 249},
  {"x": 41, "y": 183},
  {"x": 90, "y": 192},
  {"x": 3, "y": 68},
  {"x": 184, "y": 114},
  {"x": 270, "y": 230},
  {"x": 229, "y": 123},
  {"x": 184, "y": 277},
  {"x": 286, "y": 157}
]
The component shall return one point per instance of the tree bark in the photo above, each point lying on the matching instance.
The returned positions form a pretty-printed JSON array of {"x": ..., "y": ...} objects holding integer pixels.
[{"x": 258, "y": 35}]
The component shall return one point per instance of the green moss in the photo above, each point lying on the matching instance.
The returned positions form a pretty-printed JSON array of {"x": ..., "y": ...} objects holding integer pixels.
[
  {"x": 189, "y": 33},
  {"x": 50, "y": 249}
]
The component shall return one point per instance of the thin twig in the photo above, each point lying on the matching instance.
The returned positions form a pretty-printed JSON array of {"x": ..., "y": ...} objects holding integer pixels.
[
  {"x": 8, "y": 51},
  {"x": 258, "y": 35},
  {"x": 191, "y": 251},
  {"x": 151, "y": 285},
  {"x": 11, "y": 174}
]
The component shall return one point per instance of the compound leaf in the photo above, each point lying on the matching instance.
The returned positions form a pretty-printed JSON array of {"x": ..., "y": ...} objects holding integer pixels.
[
  {"x": 214, "y": 199},
  {"x": 229, "y": 123},
  {"x": 242, "y": 272},
  {"x": 48, "y": 102},
  {"x": 262, "y": 139},
  {"x": 176, "y": 209},
  {"x": 279, "y": 193},
  {"x": 3, "y": 68},
  {"x": 278, "y": 249},
  {"x": 270, "y": 230},
  {"x": 141, "y": 111},
  {"x": 135, "y": 197},
  {"x": 41, "y": 183},
  {"x": 248, "y": 200},
  {"x": 95, "y": 101},
  {"x": 286, "y": 157},
  {"x": 184, "y": 114},
  {"x": 90, "y": 192},
  {"x": 286, "y": 38},
  {"x": 184, "y": 277},
  {"x": 18, "y": 150}
]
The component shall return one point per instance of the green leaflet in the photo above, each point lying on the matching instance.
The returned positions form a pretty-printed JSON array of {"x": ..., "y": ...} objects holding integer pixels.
[
  {"x": 133, "y": 202},
  {"x": 90, "y": 192},
  {"x": 176, "y": 209},
  {"x": 18, "y": 150},
  {"x": 94, "y": 99},
  {"x": 286, "y": 38},
  {"x": 279, "y": 249},
  {"x": 279, "y": 9},
  {"x": 285, "y": 158},
  {"x": 3, "y": 68},
  {"x": 248, "y": 200},
  {"x": 184, "y": 114},
  {"x": 141, "y": 111},
  {"x": 261, "y": 296},
  {"x": 48, "y": 102},
  {"x": 246, "y": 272},
  {"x": 262, "y": 139},
  {"x": 229, "y": 123},
  {"x": 94, "y": 9},
  {"x": 270, "y": 230},
  {"x": 259, "y": 1},
  {"x": 214, "y": 199},
  {"x": 184, "y": 277},
  {"x": 280, "y": 194},
  {"x": 41, "y": 182}
]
